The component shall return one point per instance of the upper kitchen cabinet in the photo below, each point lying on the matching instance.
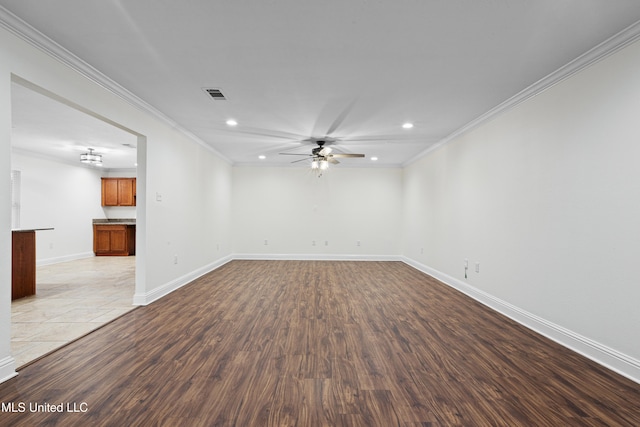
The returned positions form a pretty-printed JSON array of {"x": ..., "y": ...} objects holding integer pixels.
[{"x": 118, "y": 191}]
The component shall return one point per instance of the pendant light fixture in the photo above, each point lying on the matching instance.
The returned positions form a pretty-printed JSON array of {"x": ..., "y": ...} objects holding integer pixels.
[{"x": 91, "y": 158}]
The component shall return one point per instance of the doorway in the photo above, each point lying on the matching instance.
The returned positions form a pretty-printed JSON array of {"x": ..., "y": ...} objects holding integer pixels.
[{"x": 75, "y": 291}]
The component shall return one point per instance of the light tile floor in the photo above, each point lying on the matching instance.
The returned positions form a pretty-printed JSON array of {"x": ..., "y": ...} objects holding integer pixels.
[{"x": 72, "y": 299}]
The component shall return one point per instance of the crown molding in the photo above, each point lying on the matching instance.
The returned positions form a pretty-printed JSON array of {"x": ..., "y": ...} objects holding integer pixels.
[
  {"x": 29, "y": 34},
  {"x": 608, "y": 47}
]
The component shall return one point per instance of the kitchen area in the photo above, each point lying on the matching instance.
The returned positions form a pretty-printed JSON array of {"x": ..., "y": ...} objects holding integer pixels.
[
  {"x": 111, "y": 236},
  {"x": 74, "y": 241},
  {"x": 81, "y": 254},
  {"x": 116, "y": 236}
]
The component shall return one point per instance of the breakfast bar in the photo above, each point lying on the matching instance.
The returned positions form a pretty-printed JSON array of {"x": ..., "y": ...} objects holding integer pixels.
[{"x": 23, "y": 262}]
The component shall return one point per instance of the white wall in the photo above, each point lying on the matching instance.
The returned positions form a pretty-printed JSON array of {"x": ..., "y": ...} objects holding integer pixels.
[
  {"x": 192, "y": 219},
  {"x": 189, "y": 202},
  {"x": 291, "y": 208},
  {"x": 547, "y": 198},
  {"x": 7, "y": 364},
  {"x": 62, "y": 196}
]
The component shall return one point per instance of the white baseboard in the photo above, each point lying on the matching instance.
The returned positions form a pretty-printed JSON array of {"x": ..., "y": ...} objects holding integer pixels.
[
  {"x": 317, "y": 257},
  {"x": 157, "y": 293},
  {"x": 7, "y": 368},
  {"x": 65, "y": 258},
  {"x": 612, "y": 359}
]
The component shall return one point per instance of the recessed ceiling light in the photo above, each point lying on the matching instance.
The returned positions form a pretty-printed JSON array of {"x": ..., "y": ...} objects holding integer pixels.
[
  {"x": 374, "y": 158},
  {"x": 262, "y": 157},
  {"x": 232, "y": 122},
  {"x": 407, "y": 125}
]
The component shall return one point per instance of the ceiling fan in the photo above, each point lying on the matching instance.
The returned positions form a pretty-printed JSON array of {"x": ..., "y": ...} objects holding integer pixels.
[{"x": 322, "y": 156}]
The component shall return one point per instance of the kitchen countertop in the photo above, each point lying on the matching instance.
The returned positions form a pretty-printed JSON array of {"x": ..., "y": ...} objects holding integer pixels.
[
  {"x": 115, "y": 221},
  {"x": 25, "y": 230}
]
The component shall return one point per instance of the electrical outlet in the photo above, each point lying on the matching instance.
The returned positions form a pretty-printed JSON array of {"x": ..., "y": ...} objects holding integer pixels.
[
  {"x": 358, "y": 243},
  {"x": 326, "y": 243},
  {"x": 175, "y": 259},
  {"x": 466, "y": 263},
  {"x": 421, "y": 250},
  {"x": 313, "y": 243},
  {"x": 266, "y": 242},
  {"x": 477, "y": 267}
]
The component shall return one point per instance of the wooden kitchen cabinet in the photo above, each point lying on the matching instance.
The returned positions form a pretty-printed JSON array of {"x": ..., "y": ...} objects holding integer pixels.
[
  {"x": 109, "y": 192},
  {"x": 118, "y": 191},
  {"x": 114, "y": 239}
]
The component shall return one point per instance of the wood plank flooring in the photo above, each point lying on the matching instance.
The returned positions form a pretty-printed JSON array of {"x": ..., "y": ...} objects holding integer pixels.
[{"x": 317, "y": 343}]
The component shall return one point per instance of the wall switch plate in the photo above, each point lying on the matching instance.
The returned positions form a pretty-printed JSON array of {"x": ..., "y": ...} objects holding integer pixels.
[
  {"x": 266, "y": 242},
  {"x": 477, "y": 267}
]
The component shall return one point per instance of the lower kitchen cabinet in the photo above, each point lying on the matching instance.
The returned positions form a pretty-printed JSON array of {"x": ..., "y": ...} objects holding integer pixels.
[{"x": 114, "y": 239}]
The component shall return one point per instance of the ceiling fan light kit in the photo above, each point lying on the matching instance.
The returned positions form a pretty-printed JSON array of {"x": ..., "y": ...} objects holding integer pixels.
[
  {"x": 322, "y": 156},
  {"x": 322, "y": 164}
]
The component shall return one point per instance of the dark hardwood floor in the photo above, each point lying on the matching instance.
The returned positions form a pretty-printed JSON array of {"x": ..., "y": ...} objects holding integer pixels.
[{"x": 316, "y": 343}]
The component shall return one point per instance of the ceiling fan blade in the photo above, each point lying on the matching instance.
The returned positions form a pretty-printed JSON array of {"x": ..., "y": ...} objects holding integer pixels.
[
  {"x": 386, "y": 138},
  {"x": 301, "y": 160},
  {"x": 294, "y": 137},
  {"x": 283, "y": 147},
  {"x": 343, "y": 115},
  {"x": 295, "y": 154},
  {"x": 276, "y": 137},
  {"x": 332, "y": 161},
  {"x": 325, "y": 151},
  {"x": 345, "y": 155}
]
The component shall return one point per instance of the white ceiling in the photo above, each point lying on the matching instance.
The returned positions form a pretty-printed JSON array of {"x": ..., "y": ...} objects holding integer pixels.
[
  {"x": 43, "y": 125},
  {"x": 291, "y": 70}
]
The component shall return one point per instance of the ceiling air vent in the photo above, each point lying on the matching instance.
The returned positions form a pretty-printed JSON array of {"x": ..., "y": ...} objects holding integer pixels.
[{"x": 216, "y": 94}]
